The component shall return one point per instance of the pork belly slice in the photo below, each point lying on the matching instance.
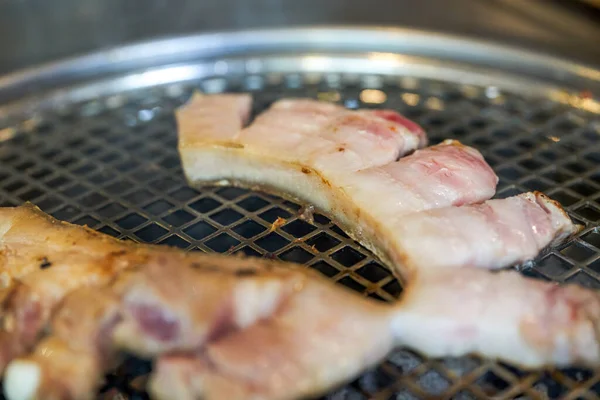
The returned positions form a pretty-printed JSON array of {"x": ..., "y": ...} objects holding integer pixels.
[
  {"x": 291, "y": 346},
  {"x": 283, "y": 340},
  {"x": 502, "y": 315},
  {"x": 288, "y": 150},
  {"x": 212, "y": 317},
  {"x": 71, "y": 361},
  {"x": 404, "y": 211},
  {"x": 495, "y": 234},
  {"x": 448, "y": 174}
]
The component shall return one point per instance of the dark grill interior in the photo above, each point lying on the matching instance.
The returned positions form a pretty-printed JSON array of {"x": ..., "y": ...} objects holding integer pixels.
[{"x": 112, "y": 164}]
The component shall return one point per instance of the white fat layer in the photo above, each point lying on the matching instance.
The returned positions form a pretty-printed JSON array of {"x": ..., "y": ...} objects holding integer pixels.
[
  {"x": 21, "y": 380},
  {"x": 212, "y": 164},
  {"x": 215, "y": 164}
]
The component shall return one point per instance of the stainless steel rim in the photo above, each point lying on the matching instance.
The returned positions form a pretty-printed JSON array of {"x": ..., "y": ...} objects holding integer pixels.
[{"x": 397, "y": 51}]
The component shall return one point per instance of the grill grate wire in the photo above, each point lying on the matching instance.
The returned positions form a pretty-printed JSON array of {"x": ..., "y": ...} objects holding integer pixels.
[{"x": 112, "y": 164}]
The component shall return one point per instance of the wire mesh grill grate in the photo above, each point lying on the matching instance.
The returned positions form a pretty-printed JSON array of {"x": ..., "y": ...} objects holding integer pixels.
[{"x": 112, "y": 164}]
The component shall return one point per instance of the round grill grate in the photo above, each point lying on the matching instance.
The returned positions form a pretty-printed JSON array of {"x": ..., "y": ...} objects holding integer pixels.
[{"x": 112, "y": 164}]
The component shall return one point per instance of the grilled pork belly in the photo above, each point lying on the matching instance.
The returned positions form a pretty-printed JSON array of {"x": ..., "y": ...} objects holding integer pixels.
[
  {"x": 267, "y": 315},
  {"x": 264, "y": 341},
  {"x": 229, "y": 327},
  {"x": 337, "y": 160},
  {"x": 503, "y": 315},
  {"x": 404, "y": 211}
]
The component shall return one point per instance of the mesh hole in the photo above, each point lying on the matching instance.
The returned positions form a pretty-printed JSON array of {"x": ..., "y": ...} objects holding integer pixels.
[
  {"x": 296, "y": 255},
  {"x": 553, "y": 266},
  {"x": 323, "y": 242},
  {"x": 178, "y": 218},
  {"x": 249, "y": 229},
  {"x": 352, "y": 284},
  {"x": 299, "y": 228},
  {"x": 347, "y": 256},
  {"x": 253, "y": 203},
  {"x": 222, "y": 243},
  {"x": 205, "y": 205},
  {"x": 226, "y": 217},
  {"x": 274, "y": 213},
  {"x": 373, "y": 272},
  {"x": 577, "y": 252},
  {"x": 272, "y": 242},
  {"x": 200, "y": 230},
  {"x": 325, "y": 268}
]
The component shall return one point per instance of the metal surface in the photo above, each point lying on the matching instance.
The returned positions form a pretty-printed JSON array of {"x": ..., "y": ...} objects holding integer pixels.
[
  {"x": 387, "y": 51},
  {"x": 39, "y": 31},
  {"x": 111, "y": 163}
]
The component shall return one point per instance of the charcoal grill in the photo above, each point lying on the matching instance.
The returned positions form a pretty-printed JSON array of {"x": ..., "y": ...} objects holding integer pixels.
[{"x": 92, "y": 140}]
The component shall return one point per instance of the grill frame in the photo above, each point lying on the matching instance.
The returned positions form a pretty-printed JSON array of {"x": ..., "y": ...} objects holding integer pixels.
[{"x": 125, "y": 113}]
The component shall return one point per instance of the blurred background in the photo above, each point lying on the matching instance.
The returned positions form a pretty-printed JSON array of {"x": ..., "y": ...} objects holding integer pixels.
[{"x": 37, "y": 31}]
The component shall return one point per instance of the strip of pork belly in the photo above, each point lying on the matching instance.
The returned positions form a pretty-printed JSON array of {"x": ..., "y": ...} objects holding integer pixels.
[
  {"x": 71, "y": 361},
  {"x": 500, "y": 315},
  {"x": 302, "y": 349},
  {"x": 339, "y": 160},
  {"x": 495, "y": 234},
  {"x": 271, "y": 313},
  {"x": 76, "y": 257}
]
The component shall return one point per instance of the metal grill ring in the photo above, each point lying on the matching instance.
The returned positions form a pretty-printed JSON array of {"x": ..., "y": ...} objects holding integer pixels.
[{"x": 112, "y": 164}]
